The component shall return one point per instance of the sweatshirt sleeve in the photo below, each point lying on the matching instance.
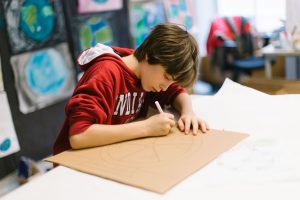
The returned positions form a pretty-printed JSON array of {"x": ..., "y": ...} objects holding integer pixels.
[
  {"x": 89, "y": 105},
  {"x": 167, "y": 97}
]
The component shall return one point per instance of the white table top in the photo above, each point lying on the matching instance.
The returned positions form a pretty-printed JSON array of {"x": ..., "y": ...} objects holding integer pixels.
[
  {"x": 264, "y": 166},
  {"x": 271, "y": 51}
]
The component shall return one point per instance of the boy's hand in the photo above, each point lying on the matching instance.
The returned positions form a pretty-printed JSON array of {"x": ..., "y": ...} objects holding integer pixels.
[
  {"x": 187, "y": 120},
  {"x": 160, "y": 124}
]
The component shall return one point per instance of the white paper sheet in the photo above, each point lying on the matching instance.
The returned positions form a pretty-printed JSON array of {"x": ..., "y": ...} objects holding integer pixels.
[
  {"x": 1, "y": 78},
  {"x": 8, "y": 139},
  {"x": 271, "y": 152}
]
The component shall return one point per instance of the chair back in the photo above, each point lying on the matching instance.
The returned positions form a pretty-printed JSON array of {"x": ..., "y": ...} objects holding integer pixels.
[
  {"x": 242, "y": 36},
  {"x": 237, "y": 29},
  {"x": 230, "y": 46}
]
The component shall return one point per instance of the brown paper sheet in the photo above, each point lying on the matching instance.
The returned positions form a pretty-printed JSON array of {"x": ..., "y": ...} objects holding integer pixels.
[{"x": 154, "y": 164}]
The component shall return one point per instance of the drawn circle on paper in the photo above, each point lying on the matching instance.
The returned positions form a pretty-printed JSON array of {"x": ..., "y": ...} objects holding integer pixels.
[
  {"x": 153, "y": 151},
  {"x": 46, "y": 72},
  {"x": 100, "y": 1},
  {"x": 95, "y": 30},
  {"x": 5, "y": 145},
  {"x": 37, "y": 19}
]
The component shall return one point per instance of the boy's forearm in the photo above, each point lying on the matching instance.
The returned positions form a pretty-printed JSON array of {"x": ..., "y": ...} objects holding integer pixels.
[
  {"x": 183, "y": 103},
  {"x": 101, "y": 134}
]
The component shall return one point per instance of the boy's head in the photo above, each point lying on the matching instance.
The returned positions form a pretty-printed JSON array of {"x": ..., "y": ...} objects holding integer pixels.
[{"x": 173, "y": 48}]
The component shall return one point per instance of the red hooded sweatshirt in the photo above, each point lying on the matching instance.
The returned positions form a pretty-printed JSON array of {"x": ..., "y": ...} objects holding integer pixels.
[{"x": 107, "y": 93}]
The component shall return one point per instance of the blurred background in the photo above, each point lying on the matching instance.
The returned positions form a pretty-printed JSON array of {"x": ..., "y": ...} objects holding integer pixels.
[{"x": 255, "y": 43}]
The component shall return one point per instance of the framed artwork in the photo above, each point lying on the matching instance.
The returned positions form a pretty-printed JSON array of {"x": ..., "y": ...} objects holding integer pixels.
[
  {"x": 8, "y": 139},
  {"x": 43, "y": 77},
  {"x": 33, "y": 24},
  {"x": 86, "y": 6},
  {"x": 95, "y": 30},
  {"x": 143, "y": 16},
  {"x": 181, "y": 12},
  {"x": 98, "y": 28}
]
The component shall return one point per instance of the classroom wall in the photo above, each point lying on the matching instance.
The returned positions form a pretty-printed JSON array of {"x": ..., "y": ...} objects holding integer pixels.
[
  {"x": 36, "y": 131},
  {"x": 204, "y": 18},
  {"x": 293, "y": 15}
]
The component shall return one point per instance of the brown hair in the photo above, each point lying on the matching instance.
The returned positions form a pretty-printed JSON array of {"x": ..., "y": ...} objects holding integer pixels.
[{"x": 175, "y": 49}]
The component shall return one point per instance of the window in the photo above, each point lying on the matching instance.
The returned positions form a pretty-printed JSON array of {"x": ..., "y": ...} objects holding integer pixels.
[{"x": 266, "y": 15}]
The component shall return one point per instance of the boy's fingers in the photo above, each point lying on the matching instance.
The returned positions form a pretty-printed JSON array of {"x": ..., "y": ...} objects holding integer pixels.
[
  {"x": 195, "y": 127},
  {"x": 203, "y": 126},
  {"x": 180, "y": 125},
  {"x": 172, "y": 123},
  {"x": 187, "y": 126},
  {"x": 207, "y": 126},
  {"x": 169, "y": 115}
]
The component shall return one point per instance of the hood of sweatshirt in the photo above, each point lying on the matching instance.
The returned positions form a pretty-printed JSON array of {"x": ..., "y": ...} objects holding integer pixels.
[{"x": 101, "y": 52}]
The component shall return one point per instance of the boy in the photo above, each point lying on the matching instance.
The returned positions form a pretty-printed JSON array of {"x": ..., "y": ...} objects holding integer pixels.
[{"x": 119, "y": 84}]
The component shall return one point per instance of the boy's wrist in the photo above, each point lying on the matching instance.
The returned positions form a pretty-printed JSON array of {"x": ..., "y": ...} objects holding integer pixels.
[{"x": 142, "y": 128}]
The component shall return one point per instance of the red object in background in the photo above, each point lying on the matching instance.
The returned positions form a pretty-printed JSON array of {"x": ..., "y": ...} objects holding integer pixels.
[{"x": 221, "y": 28}]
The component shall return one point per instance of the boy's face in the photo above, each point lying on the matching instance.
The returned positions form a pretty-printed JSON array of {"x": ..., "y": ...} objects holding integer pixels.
[{"x": 154, "y": 78}]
